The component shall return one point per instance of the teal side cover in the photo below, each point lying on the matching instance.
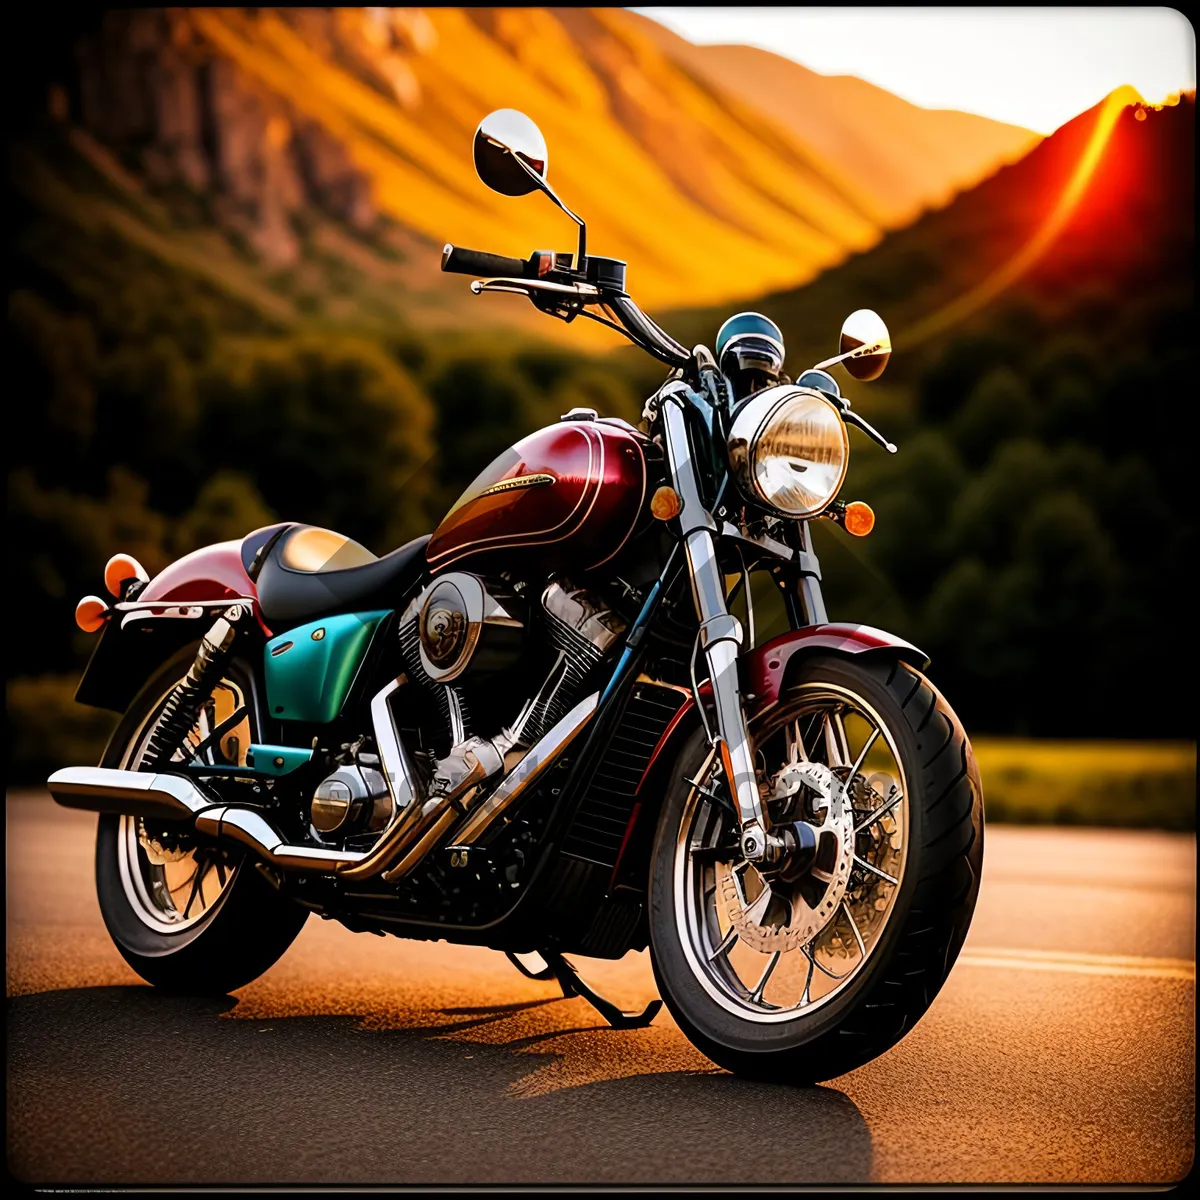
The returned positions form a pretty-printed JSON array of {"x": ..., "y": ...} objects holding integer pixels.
[
  {"x": 276, "y": 760},
  {"x": 309, "y": 669}
]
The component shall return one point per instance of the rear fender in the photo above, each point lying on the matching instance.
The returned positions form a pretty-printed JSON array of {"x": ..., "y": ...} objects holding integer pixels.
[
  {"x": 134, "y": 645},
  {"x": 765, "y": 673}
]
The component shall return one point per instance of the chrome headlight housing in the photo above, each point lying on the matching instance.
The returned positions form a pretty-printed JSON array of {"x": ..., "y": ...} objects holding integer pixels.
[{"x": 788, "y": 449}]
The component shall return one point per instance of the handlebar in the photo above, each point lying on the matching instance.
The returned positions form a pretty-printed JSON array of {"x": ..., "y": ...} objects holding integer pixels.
[
  {"x": 565, "y": 293},
  {"x": 461, "y": 261},
  {"x": 646, "y": 333}
]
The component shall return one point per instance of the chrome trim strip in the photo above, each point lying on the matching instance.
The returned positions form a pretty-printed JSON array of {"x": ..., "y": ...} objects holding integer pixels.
[
  {"x": 539, "y": 757},
  {"x": 538, "y": 478}
]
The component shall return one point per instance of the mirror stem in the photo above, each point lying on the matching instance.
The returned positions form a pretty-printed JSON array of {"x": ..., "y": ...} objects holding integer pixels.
[
  {"x": 542, "y": 185},
  {"x": 857, "y": 352}
]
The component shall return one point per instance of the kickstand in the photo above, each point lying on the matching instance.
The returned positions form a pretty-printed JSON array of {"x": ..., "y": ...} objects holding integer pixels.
[
  {"x": 544, "y": 973},
  {"x": 572, "y": 985}
]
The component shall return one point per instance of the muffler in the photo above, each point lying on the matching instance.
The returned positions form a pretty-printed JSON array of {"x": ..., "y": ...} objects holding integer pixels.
[
  {"x": 133, "y": 793},
  {"x": 175, "y": 798}
]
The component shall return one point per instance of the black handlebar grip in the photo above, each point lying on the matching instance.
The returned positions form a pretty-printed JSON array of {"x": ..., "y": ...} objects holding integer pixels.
[{"x": 479, "y": 262}]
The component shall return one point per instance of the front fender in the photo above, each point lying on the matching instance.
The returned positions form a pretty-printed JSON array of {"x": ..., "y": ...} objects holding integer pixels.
[
  {"x": 127, "y": 655},
  {"x": 765, "y": 672}
]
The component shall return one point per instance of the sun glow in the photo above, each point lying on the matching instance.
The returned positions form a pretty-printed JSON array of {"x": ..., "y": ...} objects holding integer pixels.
[{"x": 973, "y": 300}]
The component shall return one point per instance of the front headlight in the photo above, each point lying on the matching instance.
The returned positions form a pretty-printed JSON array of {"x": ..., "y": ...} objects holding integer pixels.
[{"x": 789, "y": 450}]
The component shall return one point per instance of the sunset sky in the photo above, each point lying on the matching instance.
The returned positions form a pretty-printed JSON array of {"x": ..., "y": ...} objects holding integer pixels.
[{"x": 1036, "y": 67}]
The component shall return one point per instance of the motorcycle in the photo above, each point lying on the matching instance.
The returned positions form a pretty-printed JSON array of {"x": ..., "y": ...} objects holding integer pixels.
[{"x": 543, "y": 728}]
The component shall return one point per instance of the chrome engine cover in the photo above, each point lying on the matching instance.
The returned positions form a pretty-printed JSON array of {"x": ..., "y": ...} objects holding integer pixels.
[
  {"x": 460, "y": 624},
  {"x": 353, "y": 798}
]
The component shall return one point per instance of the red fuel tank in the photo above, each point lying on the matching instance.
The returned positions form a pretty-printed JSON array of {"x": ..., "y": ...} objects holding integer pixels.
[{"x": 568, "y": 495}]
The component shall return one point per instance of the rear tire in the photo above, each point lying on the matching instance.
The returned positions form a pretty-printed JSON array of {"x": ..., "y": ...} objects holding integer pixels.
[
  {"x": 901, "y": 969},
  {"x": 247, "y": 925}
]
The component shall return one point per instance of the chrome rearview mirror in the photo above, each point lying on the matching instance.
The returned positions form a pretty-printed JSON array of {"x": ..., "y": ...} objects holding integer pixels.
[
  {"x": 510, "y": 157},
  {"x": 510, "y": 153},
  {"x": 865, "y": 346}
]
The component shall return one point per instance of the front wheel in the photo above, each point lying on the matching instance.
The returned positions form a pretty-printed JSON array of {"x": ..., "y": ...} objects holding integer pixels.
[
  {"x": 186, "y": 915},
  {"x": 803, "y": 974}
]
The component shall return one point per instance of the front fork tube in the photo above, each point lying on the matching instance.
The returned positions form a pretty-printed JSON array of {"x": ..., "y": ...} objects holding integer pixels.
[
  {"x": 720, "y": 631},
  {"x": 812, "y": 611}
]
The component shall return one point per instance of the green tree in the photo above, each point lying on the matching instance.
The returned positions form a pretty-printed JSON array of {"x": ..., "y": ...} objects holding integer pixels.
[
  {"x": 998, "y": 407},
  {"x": 228, "y": 507},
  {"x": 330, "y": 430}
]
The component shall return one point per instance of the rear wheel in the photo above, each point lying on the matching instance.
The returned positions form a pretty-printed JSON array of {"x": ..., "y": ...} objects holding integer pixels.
[
  {"x": 805, "y": 974},
  {"x": 184, "y": 914}
]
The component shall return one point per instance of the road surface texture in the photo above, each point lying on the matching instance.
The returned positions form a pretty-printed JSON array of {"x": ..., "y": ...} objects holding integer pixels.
[{"x": 1062, "y": 1049}]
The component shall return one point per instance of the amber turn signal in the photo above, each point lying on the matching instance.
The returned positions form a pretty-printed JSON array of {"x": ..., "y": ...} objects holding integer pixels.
[
  {"x": 665, "y": 503},
  {"x": 858, "y": 518},
  {"x": 90, "y": 613},
  {"x": 120, "y": 568}
]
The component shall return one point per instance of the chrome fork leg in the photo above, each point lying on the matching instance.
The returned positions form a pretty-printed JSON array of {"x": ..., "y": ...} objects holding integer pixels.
[{"x": 720, "y": 631}]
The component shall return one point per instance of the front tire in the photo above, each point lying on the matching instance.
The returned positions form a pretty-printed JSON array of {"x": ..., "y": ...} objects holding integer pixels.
[
  {"x": 801, "y": 982},
  {"x": 187, "y": 917}
]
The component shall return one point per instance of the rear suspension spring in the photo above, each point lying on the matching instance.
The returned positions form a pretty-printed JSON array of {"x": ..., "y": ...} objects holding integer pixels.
[{"x": 182, "y": 708}]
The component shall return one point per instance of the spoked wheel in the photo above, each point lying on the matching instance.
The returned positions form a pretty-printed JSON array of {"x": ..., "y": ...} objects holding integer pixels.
[
  {"x": 806, "y": 970},
  {"x": 170, "y": 879},
  {"x": 771, "y": 945},
  {"x": 185, "y": 914}
]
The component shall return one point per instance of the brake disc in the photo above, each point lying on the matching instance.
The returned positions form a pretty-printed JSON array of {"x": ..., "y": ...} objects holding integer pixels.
[{"x": 769, "y": 915}]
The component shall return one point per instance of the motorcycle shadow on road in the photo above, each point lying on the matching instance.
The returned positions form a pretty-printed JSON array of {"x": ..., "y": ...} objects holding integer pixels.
[{"x": 126, "y": 1084}]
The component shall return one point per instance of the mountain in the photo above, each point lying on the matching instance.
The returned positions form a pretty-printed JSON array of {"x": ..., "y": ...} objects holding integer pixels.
[
  {"x": 903, "y": 157},
  {"x": 1101, "y": 205},
  {"x": 331, "y": 148}
]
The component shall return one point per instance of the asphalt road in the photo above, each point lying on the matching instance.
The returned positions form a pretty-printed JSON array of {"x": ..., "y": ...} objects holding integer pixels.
[{"x": 1062, "y": 1049}]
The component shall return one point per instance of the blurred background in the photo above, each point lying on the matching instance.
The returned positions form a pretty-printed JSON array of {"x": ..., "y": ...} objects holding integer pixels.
[{"x": 225, "y": 308}]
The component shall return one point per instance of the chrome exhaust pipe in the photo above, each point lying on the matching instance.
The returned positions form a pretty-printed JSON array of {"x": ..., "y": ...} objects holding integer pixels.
[
  {"x": 249, "y": 828},
  {"x": 132, "y": 793},
  {"x": 416, "y": 829},
  {"x": 484, "y": 819},
  {"x": 165, "y": 797}
]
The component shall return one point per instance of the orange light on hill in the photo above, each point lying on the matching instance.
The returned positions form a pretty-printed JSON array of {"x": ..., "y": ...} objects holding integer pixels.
[
  {"x": 970, "y": 302},
  {"x": 859, "y": 518}
]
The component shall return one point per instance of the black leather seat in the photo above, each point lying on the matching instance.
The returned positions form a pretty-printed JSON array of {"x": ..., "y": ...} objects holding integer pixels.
[{"x": 308, "y": 572}]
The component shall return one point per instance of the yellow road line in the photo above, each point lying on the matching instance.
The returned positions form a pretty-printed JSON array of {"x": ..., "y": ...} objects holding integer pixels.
[{"x": 1080, "y": 964}]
